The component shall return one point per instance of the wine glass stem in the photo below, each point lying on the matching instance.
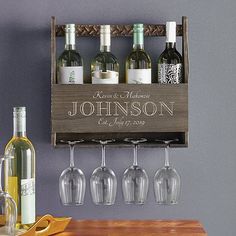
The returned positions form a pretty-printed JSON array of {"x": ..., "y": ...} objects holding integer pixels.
[
  {"x": 103, "y": 156},
  {"x": 135, "y": 163},
  {"x": 72, "y": 159},
  {"x": 1, "y": 161},
  {"x": 167, "y": 162}
]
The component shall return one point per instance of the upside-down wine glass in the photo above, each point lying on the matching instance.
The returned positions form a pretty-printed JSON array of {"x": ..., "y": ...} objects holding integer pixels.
[
  {"x": 167, "y": 181},
  {"x": 135, "y": 180},
  {"x": 103, "y": 182},
  {"x": 72, "y": 181}
]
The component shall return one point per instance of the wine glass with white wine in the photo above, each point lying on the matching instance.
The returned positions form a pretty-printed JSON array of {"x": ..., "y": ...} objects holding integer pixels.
[{"x": 8, "y": 208}]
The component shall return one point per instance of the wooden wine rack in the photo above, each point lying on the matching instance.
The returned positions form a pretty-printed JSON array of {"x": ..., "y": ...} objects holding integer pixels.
[{"x": 87, "y": 111}]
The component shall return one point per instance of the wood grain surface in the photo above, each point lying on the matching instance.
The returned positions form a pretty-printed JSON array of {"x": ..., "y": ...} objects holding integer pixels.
[
  {"x": 64, "y": 95},
  {"x": 159, "y": 126},
  {"x": 134, "y": 228}
]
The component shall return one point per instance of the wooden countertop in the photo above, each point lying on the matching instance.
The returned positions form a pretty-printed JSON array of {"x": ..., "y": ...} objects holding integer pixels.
[{"x": 134, "y": 228}]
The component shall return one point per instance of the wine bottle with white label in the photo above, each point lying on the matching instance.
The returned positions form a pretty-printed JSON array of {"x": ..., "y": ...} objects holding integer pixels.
[
  {"x": 138, "y": 63},
  {"x": 20, "y": 171},
  {"x": 70, "y": 63},
  {"x": 105, "y": 66},
  {"x": 170, "y": 61}
]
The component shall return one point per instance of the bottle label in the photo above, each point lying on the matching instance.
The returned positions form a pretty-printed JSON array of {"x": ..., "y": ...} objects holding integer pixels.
[
  {"x": 27, "y": 201},
  {"x": 139, "y": 76},
  {"x": 108, "y": 77},
  {"x": 170, "y": 73},
  {"x": 71, "y": 75}
]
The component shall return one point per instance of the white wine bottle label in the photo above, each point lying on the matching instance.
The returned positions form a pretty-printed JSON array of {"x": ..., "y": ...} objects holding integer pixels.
[
  {"x": 71, "y": 75},
  {"x": 170, "y": 73},
  {"x": 139, "y": 76},
  {"x": 108, "y": 77},
  {"x": 27, "y": 201}
]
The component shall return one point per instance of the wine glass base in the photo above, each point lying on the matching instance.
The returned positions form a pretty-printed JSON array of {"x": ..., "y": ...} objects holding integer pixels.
[
  {"x": 104, "y": 203},
  {"x": 167, "y": 203},
  {"x": 73, "y": 204},
  {"x": 134, "y": 202}
]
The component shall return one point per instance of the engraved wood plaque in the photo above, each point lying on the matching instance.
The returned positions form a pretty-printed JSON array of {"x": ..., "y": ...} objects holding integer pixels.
[{"x": 138, "y": 109}]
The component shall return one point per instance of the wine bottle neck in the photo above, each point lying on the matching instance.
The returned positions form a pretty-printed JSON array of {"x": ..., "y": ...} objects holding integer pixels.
[
  {"x": 19, "y": 128},
  {"x": 138, "y": 47},
  {"x": 19, "y": 123},
  {"x": 105, "y": 48},
  {"x": 70, "y": 47},
  {"x": 105, "y": 38},
  {"x": 171, "y": 33},
  {"x": 138, "y": 40},
  {"x": 70, "y": 40},
  {"x": 170, "y": 45}
]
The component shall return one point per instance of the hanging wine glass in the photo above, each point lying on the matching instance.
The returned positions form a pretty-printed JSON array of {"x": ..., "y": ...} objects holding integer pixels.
[
  {"x": 135, "y": 180},
  {"x": 103, "y": 182},
  {"x": 72, "y": 181},
  {"x": 167, "y": 181},
  {"x": 8, "y": 208}
]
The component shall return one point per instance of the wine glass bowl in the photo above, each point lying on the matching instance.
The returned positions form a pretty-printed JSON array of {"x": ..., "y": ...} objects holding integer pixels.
[
  {"x": 72, "y": 182},
  {"x": 103, "y": 181},
  {"x": 135, "y": 180},
  {"x": 167, "y": 182},
  {"x": 103, "y": 186},
  {"x": 135, "y": 185},
  {"x": 167, "y": 186},
  {"x": 72, "y": 187}
]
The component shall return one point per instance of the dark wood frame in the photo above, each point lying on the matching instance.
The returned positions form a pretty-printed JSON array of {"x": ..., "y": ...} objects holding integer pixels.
[{"x": 122, "y": 31}]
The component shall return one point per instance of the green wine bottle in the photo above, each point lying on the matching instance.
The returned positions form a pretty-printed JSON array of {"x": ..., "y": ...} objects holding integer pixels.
[
  {"x": 105, "y": 66},
  {"x": 70, "y": 63},
  {"x": 138, "y": 63},
  {"x": 170, "y": 61}
]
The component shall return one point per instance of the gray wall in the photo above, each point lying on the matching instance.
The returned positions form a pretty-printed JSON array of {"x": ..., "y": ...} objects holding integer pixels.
[{"x": 207, "y": 167}]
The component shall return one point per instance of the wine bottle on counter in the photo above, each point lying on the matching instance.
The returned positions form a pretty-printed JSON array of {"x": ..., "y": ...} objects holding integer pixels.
[
  {"x": 70, "y": 63},
  {"x": 20, "y": 170},
  {"x": 170, "y": 61},
  {"x": 138, "y": 63},
  {"x": 105, "y": 66}
]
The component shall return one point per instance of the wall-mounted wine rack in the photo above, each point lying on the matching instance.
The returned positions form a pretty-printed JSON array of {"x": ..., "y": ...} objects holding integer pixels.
[{"x": 87, "y": 111}]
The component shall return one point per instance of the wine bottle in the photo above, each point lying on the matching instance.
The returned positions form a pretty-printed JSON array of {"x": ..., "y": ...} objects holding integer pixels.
[
  {"x": 70, "y": 63},
  {"x": 105, "y": 67},
  {"x": 138, "y": 63},
  {"x": 170, "y": 61},
  {"x": 20, "y": 171}
]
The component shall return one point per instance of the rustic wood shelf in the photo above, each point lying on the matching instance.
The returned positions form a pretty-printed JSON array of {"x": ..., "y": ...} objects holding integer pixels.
[
  {"x": 120, "y": 111},
  {"x": 134, "y": 228}
]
